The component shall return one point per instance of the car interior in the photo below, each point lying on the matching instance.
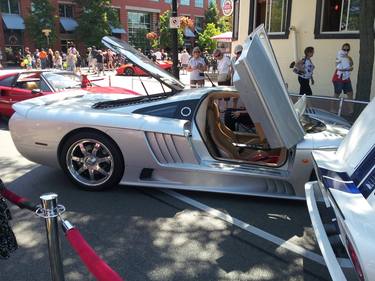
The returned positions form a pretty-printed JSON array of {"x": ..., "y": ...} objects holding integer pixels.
[
  {"x": 29, "y": 81},
  {"x": 243, "y": 144}
]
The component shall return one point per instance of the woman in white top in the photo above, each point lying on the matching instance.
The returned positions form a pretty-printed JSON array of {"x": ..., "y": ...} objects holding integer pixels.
[{"x": 196, "y": 66}]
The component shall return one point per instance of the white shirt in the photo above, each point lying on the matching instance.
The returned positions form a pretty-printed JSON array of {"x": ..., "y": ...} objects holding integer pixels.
[
  {"x": 158, "y": 55},
  {"x": 309, "y": 69},
  {"x": 196, "y": 74},
  {"x": 184, "y": 58},
  {"x": 223, "y": 67},
  {"x": 343, "y": 62}
]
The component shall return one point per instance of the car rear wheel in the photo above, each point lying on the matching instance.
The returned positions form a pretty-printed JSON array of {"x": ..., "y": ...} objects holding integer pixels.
[
  {"x": 92, "y": 161},
  {"x": 128, "y": 71}
]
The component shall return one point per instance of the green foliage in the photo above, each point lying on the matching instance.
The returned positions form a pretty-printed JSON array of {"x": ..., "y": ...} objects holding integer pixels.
[
  {"x": 212, "y": 13},
  {"x": 41, "y": 17},
  {"x": 165, "y": 38},
  {"x": 204, "y": 40},
  {"x": 225, "y": 24},
  {"x": 95, "y": 21},
  {"x": 139, "y": 39}
]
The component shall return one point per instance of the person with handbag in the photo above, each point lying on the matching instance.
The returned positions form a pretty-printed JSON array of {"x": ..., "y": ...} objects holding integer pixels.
[
  {"x": 304, "y": 68},
  {"x": 223, "y": 67}
]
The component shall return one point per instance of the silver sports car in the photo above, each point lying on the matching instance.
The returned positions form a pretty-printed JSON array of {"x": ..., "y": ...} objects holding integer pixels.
[{"x": 183, "y": 139}]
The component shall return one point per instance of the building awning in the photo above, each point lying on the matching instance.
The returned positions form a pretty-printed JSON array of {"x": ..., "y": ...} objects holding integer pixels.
[
  {"x": 68, "y": 24},
  {"x": 13, "y": 21},
  {"x": 188, "y": 32},
  {"x": 118, "y": 30}
]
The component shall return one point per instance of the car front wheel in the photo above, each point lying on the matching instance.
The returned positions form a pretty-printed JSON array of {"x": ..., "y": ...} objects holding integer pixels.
[
  {"x": 128, "y": 71},
  {"x": 92, "y": 161}
]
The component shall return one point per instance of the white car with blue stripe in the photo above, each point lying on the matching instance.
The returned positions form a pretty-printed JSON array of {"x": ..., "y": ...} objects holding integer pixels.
[{"x": 346, "y": 183}]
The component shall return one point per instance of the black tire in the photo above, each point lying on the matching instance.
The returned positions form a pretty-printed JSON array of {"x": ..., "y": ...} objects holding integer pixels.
[
  {"x": 92, "y": 161},
  {"x": 128, "y": 71}
]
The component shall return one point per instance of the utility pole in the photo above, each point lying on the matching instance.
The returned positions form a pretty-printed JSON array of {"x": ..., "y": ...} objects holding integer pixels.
[{"x": 175, "y": 69}]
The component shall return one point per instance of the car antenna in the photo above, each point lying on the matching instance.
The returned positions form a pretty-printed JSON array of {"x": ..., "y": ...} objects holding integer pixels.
[{"x": 143, "y": 85}]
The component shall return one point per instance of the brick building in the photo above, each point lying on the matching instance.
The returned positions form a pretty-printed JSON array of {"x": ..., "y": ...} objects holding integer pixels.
[{"x": 133, "y": 14}]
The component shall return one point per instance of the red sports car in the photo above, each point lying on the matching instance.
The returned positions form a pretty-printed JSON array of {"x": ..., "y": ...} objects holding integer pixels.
[
  {"x": 18, "y": 86},
  {"x": 130, "y": 69}
]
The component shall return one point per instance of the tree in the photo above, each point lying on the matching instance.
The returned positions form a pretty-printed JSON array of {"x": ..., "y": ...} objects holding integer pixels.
[
  {"x": 366, "y": 51},
  {"x": 212, "y": 13},
  {"x": 204, "y": 41},
  {"x": 41, "y": 17},
  {"x": 165, "y": 38},
  {"x": 96, "y": 20},
  {"x": 225, "y": 24}
]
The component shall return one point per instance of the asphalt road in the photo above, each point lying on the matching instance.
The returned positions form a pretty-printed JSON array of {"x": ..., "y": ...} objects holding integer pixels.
[{"x": 147, "y": 234}]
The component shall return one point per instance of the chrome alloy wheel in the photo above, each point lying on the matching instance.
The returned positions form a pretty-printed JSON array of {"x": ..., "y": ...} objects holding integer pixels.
[{"x": 90, "y": 162}]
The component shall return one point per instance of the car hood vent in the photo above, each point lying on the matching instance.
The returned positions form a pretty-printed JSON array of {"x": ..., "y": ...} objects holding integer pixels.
[{"x": 129, "y": 101}]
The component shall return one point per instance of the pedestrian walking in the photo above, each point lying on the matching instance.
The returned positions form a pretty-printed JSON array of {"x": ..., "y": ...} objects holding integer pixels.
[
  {"x": 223, "y": 67},
  {"x": 100, "y": 62},
  {"x": 50, "y": 58},
  {"x": 341, "y": 77},
  {"x": 304, "y": 68},
  {"x": 237, "y": 53},
  {"x": 184, "y": 61},
  {"x": 196, "y": 67},
  {"x": 43, "y": 58},
  {"x": 71, "y": 61},
  {"x": 57, "y": 60}
]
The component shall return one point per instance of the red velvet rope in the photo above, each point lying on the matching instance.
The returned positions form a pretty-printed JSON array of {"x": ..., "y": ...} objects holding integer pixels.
[
  {"x": 93, "y": 262},
  {"x": 12, "y": 197}
]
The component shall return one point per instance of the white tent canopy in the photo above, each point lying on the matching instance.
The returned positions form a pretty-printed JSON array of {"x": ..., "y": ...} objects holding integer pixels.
[{"x": 223, "y": 37}]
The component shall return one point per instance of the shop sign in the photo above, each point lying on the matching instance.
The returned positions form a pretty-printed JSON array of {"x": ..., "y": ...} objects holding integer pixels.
[{"x": 227, "y": 7}]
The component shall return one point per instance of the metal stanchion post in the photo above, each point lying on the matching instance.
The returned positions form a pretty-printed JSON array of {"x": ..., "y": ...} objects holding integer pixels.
[
  {"x": 340, "y": 106},
  {"x": 50, "y": 211}
]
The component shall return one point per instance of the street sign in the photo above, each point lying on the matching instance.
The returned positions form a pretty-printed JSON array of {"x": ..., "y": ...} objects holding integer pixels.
[
  {"x": 227, "y": 7},
  {"x": 174, "y": 22}
]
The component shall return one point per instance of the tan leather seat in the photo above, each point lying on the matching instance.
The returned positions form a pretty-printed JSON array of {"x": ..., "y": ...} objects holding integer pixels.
[
  {"x": 220, "y": 139},
  {"x": 32, "y": 85},
  {"x": 246, "y": 138}
]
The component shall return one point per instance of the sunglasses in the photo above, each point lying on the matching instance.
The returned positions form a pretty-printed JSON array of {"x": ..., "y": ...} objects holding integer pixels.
[
  {"x": 346, "y": 50},
  {"x": 238, "y": 53}
]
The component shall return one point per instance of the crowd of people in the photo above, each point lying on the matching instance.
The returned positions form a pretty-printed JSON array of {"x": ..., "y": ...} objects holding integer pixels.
[{"x": 96, "y": 59}]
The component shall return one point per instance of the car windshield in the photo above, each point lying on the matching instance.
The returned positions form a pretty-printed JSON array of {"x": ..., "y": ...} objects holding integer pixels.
[{"x": 62, "y": 81}]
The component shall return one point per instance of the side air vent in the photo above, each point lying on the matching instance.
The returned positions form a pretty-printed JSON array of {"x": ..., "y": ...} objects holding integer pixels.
[{"x": 170, "y": 148}]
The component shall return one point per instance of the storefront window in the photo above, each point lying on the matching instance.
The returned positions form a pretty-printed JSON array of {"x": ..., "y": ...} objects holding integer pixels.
[
  {"x": 337, "y": 19},
  {"x": 139, "y": 24},
  {"x": 199, "y": 3},
  {"x": 9, "y": 6},
  {"x": 199, "y": 23},
  {"x": 273, "y": 14},
  {"x": 66, "y": 11},
  {"x": 340, "y": 15}
]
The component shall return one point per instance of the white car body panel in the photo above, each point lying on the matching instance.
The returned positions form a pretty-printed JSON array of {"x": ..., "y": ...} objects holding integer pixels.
[{"x": 347, "y": 182}]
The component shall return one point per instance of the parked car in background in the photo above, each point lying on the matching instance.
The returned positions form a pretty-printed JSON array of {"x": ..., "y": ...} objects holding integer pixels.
[
  {"x": 177, "y": 139},
  {"x": 22, "y": 85},
  {"x": 346, "y": 184},
  {"x": 130, "y": 69}
]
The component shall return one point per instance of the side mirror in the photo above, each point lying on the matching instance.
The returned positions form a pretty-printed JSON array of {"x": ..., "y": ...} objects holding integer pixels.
[{"x": 36, "y": 92}]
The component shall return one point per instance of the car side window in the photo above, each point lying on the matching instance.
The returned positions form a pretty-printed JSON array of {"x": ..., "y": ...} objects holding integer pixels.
[
  {"x": 44, "y": 87},
  {"x": 7, "y": 82}
]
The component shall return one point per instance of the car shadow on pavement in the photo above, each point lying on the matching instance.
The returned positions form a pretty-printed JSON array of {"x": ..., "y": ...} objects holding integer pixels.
[{"x": 143, "y": 234}]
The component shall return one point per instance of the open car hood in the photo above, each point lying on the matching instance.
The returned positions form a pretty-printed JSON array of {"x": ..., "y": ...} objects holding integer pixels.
[
  {"x": 262, "y": 89},
  {"x": 123, "y": 49}
]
